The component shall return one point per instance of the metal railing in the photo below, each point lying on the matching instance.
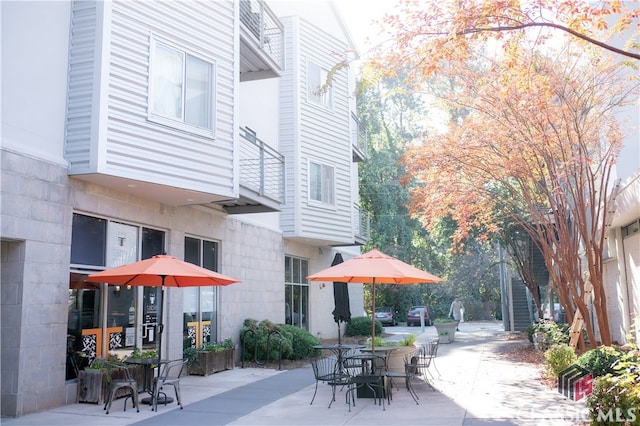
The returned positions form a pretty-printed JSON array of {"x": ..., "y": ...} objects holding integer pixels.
[
  {"x": 359, "y": 135},
  {"x": 361, "y": 223},
  {"x": 261, "y": 167},
  {"x": 265, "y": 27}
]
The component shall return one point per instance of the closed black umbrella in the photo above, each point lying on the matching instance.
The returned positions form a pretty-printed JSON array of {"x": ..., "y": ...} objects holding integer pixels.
[{"x": 342, "y": 311}]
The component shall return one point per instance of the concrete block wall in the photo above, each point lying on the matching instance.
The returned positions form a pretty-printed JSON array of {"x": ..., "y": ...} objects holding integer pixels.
[{"x": 36, "y": 236}]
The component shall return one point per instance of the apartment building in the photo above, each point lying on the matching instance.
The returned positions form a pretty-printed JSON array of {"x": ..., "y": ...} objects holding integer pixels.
[{"x": 203, "y": 130}]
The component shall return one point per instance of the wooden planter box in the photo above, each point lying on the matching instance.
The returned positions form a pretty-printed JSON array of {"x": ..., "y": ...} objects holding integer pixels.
[
  {"x": 210, "y": 362},
  {"x": 93, "y": 388},
  {"x": 446, "y": 331}
]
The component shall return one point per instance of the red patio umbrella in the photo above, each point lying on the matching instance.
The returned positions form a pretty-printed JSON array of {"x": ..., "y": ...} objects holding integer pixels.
[
  {"x": 373, "y": 268},
  {"x": 161, "y": 271}
]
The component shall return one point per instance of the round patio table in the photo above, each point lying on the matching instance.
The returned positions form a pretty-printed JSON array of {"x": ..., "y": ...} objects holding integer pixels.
[{"x": 339, "y": 350}]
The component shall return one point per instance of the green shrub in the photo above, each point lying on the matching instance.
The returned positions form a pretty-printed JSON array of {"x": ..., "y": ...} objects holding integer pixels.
[
  {"x": 408, "y": 340},
  {"x": 559, "y": 356},
  {"x": 361, "y": 326},
  {"x": 600, "y": 361},
  {"x": 302, "y": 342},
  {"x": 616, "y": 395},
  {"x": 296, "y": 342},
  {"x": 615, "y": 399},
  {"x": 546, "y": 333},
  {"x": 378, "y": 342}
]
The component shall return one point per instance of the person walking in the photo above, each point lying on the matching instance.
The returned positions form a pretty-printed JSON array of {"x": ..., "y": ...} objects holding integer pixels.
[{"x": 455, "y": 310}]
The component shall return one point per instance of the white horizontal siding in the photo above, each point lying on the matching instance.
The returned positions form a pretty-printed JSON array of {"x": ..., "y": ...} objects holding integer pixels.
[
  {"x": 130, "y": 145},
  {"x": 80, "y": 94},
  {"x": 287, "y": 130},
  {"x": 325, "y": 137},
  {"x": 321, "y": 135}
]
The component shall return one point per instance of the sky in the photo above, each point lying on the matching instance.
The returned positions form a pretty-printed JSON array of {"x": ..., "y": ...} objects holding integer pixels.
[{"x": 359, "y": 14}]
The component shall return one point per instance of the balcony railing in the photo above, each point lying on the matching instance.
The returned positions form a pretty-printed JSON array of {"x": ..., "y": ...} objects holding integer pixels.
[
  {"x": 358, "y": 139},
  {"x": 265, "y": 27},
  {"x": 361, "y": 223},
  {"x": 261, "y": 167}
]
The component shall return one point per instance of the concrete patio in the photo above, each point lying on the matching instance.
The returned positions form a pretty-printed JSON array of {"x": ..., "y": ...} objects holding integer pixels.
[{"x": 478, "y": 386}]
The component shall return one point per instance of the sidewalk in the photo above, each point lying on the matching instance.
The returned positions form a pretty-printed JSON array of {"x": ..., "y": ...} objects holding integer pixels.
[{"x": 478, "y": 386}]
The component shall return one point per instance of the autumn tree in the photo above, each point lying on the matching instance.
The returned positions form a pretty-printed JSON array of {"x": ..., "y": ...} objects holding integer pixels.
[
  {"x": 537, "y": 150},
  {"x": 431, "y": 34},
  {"x": 538, "y": 145}
]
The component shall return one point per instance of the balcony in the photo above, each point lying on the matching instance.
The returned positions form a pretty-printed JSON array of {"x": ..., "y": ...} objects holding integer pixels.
[
  {"x": 358, "y": 140},
  {"x": 261, "y": 177},
  {"x": 261, "y": 41},
  {"x": 361, "y": 225}
]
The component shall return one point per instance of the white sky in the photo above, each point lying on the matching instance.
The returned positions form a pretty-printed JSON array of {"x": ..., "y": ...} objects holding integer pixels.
[{"x": 359, "y": 14}]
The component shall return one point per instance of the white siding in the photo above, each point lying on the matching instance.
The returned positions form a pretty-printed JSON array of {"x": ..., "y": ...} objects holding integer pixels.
[
  {"x": 325, "y": 137},
  {"x": 312, "y": 132},
  {"x": 288, "y": 129},
  {"x": 128, "y": 145}
]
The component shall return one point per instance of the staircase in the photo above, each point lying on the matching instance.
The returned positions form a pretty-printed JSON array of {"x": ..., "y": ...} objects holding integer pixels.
[{"x": 520, "y": 305}]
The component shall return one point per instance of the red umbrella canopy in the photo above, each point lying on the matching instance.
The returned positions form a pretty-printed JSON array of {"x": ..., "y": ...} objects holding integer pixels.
[
  {"x": 374, "y": 267},
  {"x": 161, "y": 270}
]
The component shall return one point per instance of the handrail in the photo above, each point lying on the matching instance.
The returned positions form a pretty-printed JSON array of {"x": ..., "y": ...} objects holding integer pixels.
[{"x": 261, "y": 166}]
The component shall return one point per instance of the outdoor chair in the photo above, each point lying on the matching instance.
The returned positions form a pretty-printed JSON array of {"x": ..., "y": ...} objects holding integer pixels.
[
  {"x": 419, "y": 364},
  {"x": 329, "y": 371},
  {"x": 120, "y": 378},
  {"x": 368, "y": 372},
  {"x": 431, "y": 349},
  {"x": 169, "y": 376},
  {"x": 407, "y": 375}
]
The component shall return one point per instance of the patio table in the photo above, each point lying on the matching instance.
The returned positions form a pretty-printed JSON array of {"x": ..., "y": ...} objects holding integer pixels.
[
  {"x": 370, "y": 383},
  {"x": 339, "y": 350}
]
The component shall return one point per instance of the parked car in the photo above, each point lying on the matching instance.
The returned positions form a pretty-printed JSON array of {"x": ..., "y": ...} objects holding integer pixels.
[
  {"x": 386, "y": 315},
  {"x": 413, "y": 316}
]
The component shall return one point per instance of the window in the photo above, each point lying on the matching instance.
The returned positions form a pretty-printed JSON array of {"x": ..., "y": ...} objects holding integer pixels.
[
  {"x": 631, "y": 229},
  {"x": 318, "y": 90},
  {"x": 296, "y": 295},
  {"x": 181, "y": 89},
  {"x": 103, "y": 318},
  {"x": 199, "y": 303},
  {"x": 321, "y": 183}
]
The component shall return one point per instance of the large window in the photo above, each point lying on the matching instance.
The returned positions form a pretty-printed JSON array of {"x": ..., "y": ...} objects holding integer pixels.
[
  {"x": 199, "y": 303},
  {"x": 181, "y": 89},
  {"x": 103, "y": 318},
  {"x": 319, "y": 90},
  {"x": 296, "y": 295},
  {"x": 321, "y": 183}
]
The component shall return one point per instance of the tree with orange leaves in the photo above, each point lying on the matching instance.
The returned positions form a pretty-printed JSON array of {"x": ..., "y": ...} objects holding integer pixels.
[
  {"x": 429, "y": 34},
  {"x": 538, "y": 141}
]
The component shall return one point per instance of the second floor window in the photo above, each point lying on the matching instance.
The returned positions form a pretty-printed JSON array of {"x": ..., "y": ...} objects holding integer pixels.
[
  {"x": 319, "y": 89},
  {"x": 321, "y": 183},
  {"x": 181, "y": 89}
]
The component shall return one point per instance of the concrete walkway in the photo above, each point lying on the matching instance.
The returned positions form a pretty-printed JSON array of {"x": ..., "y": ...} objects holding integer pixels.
[{"x": 477, "y": 386}]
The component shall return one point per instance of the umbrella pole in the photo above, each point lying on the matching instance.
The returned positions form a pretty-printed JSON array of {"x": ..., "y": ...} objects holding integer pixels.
[
  {"x": 373, "y": 315},
  {"x": 339, "y": 332},
  {"x": 160, "y": 324}
]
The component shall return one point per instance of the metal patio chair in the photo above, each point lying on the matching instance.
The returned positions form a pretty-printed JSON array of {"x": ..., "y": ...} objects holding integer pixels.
[
  {"x": 120, "y": 378},
  {"x": 328, "y": 370},
  {"x": 169, "y": 376}
]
